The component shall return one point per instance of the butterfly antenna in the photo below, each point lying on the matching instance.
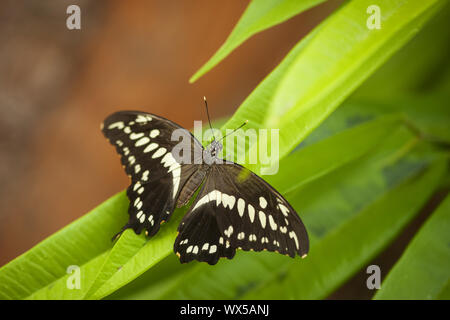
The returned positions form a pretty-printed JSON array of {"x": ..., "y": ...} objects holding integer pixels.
[
  {"x": 209, "y": 120},
  {"x": 245, "y": 122}
]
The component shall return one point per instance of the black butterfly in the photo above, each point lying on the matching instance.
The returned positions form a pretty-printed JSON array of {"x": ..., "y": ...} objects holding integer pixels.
[{"x": 234, "y": 208}]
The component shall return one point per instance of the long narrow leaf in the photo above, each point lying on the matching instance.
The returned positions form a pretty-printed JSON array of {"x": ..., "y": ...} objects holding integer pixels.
[
  {"x": 324, "y": 68},
  {"x": 324, "y": 204},
  {"x": 329, "y": 155},
  {"x": 423, "y": 271},
  {"x": 346, "y": 250},
  {"x": 76, "y": 244},
  {"x": 259, "y": 15}
]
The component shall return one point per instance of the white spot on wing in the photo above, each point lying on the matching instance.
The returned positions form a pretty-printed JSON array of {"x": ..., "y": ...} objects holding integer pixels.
[
  {"x": 134, "y": 136},
  {"x": 159, "y": 153},
  {"x": 262, "y": 219},
  {"x": 118, "y": 125},
  {"x": 154, "y": 133},
  {"x": 228, "y": 200},
  {"x": 142, "y": 141},
  {"x": 262, "y": 202},
  {"x": 150, "y": 219},
  {"x": 169, "y": 161},
  {"x": 229, "y": 231},
  {"x": 207, "y": 198},
  {"x": 294, "y": 236},
  {"x": 217, "y": 195},
  {"x": 251, "y": 212},
  {"x": 283, "y": 209},
  {"x": 272, "y": 223},
  {"x": 152, "y": 146},
  {"x": 241, "y": 206},
  {"x": 143, "y": 119}
]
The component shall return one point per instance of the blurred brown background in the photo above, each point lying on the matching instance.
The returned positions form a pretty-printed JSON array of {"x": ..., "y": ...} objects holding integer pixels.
[{"x": 57, "y": 86}]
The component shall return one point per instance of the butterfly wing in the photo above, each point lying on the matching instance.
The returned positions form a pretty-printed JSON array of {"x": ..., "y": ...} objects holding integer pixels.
[
  {"x": 146, "y": 146},
  {"x": 237, "y": 209}
]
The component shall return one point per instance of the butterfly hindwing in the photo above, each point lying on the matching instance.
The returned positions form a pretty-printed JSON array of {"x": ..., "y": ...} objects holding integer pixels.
[
  {"x": 200, "y": 238},
  {"x": 242, "y": 211},
  {"x": 144, "y": 142}
]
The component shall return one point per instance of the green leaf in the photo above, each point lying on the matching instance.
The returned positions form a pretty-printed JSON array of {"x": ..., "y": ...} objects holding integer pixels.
[
  {"x": 423, "y": 271},
  {"x": 428, "y": 115},
  {"x": 445, "y": 293},
  {"x": 417, "y": 67},
  {"x": 375, "y": 132},
  {"x": 157, "y": 248},
  {"x": 331, "y": 66},
  {"x": 154, "y": 281},
  {"x": 329, "y": 265},
  {"x": 329, "y": 155},
  {"x": 259, "y": 15},
  {"x": 118, "y": 267},
  {"x": 324, "y": 68},
  {"x": 332, "y": 153},
  {"x": 324, "y": 204},
  {"x": 127, "y": 245},
  {"x": 60, "y": 290},
  {"x": 72, "y": 245},
  {"x": 256, "y": 106}
]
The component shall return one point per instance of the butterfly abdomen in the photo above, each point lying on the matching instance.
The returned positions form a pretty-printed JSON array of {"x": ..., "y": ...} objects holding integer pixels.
[{"x": 191, "y": 185}]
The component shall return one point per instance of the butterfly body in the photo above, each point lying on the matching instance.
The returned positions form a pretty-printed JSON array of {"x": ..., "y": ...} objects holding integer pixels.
[{"x": 234, "y": 207}]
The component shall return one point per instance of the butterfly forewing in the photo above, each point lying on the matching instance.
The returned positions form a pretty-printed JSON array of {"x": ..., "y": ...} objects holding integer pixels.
[
  {"x": 242, "y": 211},
  {"x": 144, "y": 142}
]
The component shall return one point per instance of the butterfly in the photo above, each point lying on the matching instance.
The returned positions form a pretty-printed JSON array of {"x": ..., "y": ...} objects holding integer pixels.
[{"x": 234, "y": 208}]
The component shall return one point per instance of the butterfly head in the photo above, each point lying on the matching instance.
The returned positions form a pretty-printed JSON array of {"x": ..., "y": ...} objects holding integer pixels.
[
  {"x": 214, "y": 148},
  {"x": 211, "y": 152}
]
